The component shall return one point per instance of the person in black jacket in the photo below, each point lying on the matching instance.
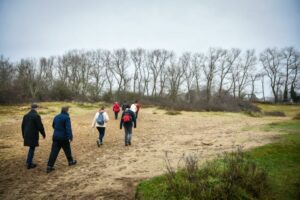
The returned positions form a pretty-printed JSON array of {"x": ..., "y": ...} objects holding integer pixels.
[
  {"x": 31, "y": 126},
  {"x": 128, "y": 120},
  {"x": 62, "y": 137}
]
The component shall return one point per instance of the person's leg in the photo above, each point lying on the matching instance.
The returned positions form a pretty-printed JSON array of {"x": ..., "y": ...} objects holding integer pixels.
[
  {"x": 116, "y": 115},
  {"x": 30, "y": 156},
  {"x": 67, "y": 149},
  {"x": 99, "y": 140},
  {"x": 129, "y": 135},
  {"x": 126, "y": 133},
  {"x": 102, "y": 133},
  {"x": 54, "y": 153},
  {"x": 136, "y": 115}
]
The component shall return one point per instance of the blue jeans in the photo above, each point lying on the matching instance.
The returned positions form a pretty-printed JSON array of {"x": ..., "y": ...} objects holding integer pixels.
[
  {"x": 101, "y": 131},
  {"x": 30, "y": 155},
  {"x": 128, "y": 134}
]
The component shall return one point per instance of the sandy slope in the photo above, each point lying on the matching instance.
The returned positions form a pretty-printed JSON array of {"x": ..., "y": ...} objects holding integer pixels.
[{"x": 113, "y": 171}]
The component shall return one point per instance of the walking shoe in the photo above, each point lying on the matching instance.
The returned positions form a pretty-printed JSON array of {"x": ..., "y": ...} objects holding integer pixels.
[
  {"x": 98, "y": 143},
  {"x": 73, "y": 162},
  {"x": 126, "y": 144},
  {"x": 50, "y": 169},
  {"x": 31, "y": 166},
  {"x": 129, "y": 143}
]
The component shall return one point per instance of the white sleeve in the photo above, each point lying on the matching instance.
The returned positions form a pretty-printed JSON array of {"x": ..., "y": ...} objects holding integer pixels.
[
  {"x": 106, "y": 117},
  {"x": 94, "y": 121}
]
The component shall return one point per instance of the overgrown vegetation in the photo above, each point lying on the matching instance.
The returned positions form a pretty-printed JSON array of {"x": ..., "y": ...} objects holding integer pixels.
[
  {"x": 173, "y": 112},
  {"x": 297, "y": 116},
  {"x": 275, "y": 113},
  {"x": 268, "y": 172}
]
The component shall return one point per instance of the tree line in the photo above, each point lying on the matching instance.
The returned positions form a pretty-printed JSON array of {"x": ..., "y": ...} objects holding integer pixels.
[{"x": 96, "y": 74}]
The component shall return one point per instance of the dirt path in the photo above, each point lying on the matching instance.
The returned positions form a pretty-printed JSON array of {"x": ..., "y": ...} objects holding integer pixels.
[{"x": 113, "y": 171}]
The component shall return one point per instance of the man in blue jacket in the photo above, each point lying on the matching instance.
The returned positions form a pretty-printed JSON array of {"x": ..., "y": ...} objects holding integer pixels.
[{"x": 62, "y": 137}]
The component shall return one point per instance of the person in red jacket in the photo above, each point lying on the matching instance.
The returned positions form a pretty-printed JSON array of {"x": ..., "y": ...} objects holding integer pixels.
[{"x": 116, "y": 109}]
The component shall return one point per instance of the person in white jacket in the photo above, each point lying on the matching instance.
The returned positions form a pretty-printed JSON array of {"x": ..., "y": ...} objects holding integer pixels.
[
  {"x": 100, "y": 120},
  {"x": 133, "y": 108}
]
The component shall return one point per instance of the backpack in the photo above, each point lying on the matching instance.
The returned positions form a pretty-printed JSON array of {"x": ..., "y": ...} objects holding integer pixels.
[
  {"x": 127, "y": 117},
  {"x": 100, "y": 119}
]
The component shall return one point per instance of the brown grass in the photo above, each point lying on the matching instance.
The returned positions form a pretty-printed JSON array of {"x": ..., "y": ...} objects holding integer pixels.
[{"x": 113, "y": 171}]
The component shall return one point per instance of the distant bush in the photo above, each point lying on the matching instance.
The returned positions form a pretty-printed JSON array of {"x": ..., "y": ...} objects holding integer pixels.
[
  {"x": 233, "y": 177},
  {"x": 224, "y": 103},
  {"x": 275, "y": 113},
  {"x": 297, "y": 116},
  {"x": 253, "y": 114}
]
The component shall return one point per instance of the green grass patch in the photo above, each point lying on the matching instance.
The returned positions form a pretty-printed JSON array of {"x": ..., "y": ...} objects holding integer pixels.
[
  {"x": 278, "y": 162},
  {"x": 289, "y": 110}
]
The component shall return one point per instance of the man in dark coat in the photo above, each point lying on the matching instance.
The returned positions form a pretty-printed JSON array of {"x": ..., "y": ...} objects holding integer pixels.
[
  {"x": 62, "y": 137},
  {"x": 128, "y": 120},
  {"x": 31, "y": 126}
]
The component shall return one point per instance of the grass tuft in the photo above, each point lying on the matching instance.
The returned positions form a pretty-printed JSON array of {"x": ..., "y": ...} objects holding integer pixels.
[
  {"x": 173, "y": 112},
  {"x": 268, "y": 172}
]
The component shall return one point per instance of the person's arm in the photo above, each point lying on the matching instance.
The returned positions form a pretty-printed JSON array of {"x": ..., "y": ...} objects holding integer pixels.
[
  {"x": 94, "y": 121},
  {"x": 40, "y": 126},
  {"x": 121, "y": 121},
  {"x": 69, "y": 129},
  {"x": 106, "y": 117},
  {"x": 23, "y": 126}
]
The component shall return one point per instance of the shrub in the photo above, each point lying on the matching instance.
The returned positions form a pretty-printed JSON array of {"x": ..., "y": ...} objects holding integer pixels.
[
  {"x": 235, "y": 176},
  {"x": 253, "y": 114},
  {"x": 275, "y": 113},
  {"x": 297, "y": 116}
]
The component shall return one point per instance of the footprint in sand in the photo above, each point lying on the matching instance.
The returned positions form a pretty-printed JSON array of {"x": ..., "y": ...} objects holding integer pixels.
[{"x": 122, "y": 168}]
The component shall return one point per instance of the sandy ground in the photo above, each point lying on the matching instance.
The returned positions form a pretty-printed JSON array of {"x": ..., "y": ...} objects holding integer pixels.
[{"x": 113, "y": 170}]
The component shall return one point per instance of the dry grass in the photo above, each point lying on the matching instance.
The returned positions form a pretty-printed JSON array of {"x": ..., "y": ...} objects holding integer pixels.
[{"x": 112, "y": 171}]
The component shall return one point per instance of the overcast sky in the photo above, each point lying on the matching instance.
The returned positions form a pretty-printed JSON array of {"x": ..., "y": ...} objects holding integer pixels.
[{"x": 34, "y": 28}]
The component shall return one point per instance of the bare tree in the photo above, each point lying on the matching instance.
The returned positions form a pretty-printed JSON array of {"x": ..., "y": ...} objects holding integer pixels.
[
  {"x": 189, "y": 74},
  {"x": 197, "y": 63},
  {"x": 120, "y": 61},
  {"x": 157, "y": 60},
  {"x": 175, "y": 77},
  {"x": 138, "y": 59},
  {"x": 107, "y": 64},
  {"x": 289, "y": 59},
  {"x": 240, "y": 74},
  {"x": 210, "y": 69},
  {"x": 227, "y": 61},
  {"x": 271, "y": 61},
  {"x": 97, "y": 74},
  {"x": 7, "y": 72}
]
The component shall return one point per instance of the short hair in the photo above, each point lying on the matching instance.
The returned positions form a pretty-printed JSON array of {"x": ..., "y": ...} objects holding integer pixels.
[
  {"x": 102, "y": 108},
  {"x": 34, "y": 105},
  {"x": 65, "y": 108}
]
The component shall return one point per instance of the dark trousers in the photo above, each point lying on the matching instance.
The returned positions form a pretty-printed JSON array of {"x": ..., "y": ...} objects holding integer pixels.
[
  {"x": 30, "y": 155},
  {"x": 116, "y": 115},
  {"x": 128, "y": 134},
  {"x": 136, "y": 115},
  {"x": 56, "y": 146},
  {"x": 101, "y": 131}
]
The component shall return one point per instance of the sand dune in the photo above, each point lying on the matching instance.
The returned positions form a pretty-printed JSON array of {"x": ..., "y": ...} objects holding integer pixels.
[{"x": 113, "y": 170}]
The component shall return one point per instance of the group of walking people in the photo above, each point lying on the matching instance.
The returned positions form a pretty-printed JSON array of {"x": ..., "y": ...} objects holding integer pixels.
[
  {"x": 128, "y": 120},
  {"x": 62, "y": 136}
]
